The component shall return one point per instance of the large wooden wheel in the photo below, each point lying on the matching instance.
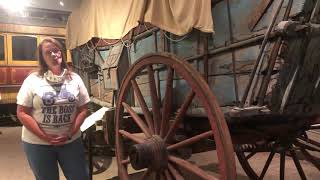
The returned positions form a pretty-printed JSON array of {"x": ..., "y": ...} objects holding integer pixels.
[
  {"x": 154, "y": 151},
  {"x": 300, "y": 151}
]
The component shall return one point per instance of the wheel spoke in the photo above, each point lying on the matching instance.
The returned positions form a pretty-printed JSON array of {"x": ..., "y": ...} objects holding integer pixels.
[
  {"x": 125, "y": 162},
  {"x": 182, "y": 111},
  {"x": 154, "y": 99},
  {"x": 131, "y": 136},
  {"x": 250, "y": 155},
  {"x": 167, "y": 104},
  {"x": 146, "y": 174},
  {"x": 123, "y": 174},
  {"x": 143, "y": 105},
  {"x": 315, "y": 143},
  {"x": 308, "y": 144},
  {"x": 310, "y": 158},
  {"x": 167, "y": 175},
  {"x": 96, "y": 165},
  {"x": 191, "y": 168},
  {"x": 266, "y": 166},
  {"x": 298, "y": 165},
  {"x": 137, "y": 119},
  {"x": 175, "y": 173},
  {"x": 191, "y": 140},
  {"x": 282, "y": 164}
]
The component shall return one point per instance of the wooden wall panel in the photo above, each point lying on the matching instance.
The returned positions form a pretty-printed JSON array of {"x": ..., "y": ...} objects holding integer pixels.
[
  {"x": 15, "y": 28},
  {"x": 18, "y": 74},
  {"x": 3, "y": 75},
  {"x": 8, "y": 95}
]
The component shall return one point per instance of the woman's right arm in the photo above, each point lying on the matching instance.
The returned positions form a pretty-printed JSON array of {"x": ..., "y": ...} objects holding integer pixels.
[{"x": 24, "y": 115}]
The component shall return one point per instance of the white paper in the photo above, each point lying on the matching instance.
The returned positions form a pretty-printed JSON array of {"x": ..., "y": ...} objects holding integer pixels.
[{"x": 90, "y": 120}]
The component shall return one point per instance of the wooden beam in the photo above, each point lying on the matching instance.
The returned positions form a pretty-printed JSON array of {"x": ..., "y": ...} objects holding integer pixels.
[
  {"x": 258, "y": 12},
  {"x": 34, "y": 30}
]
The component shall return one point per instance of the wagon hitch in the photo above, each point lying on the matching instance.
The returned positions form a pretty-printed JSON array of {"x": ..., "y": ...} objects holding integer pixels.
[{"x": 150, "y": 154}]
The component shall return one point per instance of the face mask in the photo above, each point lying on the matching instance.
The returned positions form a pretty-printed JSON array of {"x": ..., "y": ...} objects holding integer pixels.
[{"x": 55, "y": 78}]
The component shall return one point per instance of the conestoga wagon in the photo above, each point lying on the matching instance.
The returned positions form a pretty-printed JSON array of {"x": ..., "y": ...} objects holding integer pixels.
[{"x": 196, "y": 84}]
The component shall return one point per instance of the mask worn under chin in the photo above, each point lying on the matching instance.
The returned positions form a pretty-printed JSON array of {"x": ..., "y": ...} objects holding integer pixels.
[{"x": 55, "y": 78}]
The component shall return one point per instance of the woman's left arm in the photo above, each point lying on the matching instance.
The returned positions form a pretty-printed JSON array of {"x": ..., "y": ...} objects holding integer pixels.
[
  {"x": 82, "y": 112},
  {"x": 82, "y": 109}
]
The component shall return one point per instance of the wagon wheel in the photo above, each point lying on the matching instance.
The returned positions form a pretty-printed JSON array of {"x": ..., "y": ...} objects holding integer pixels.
[
  {"x": 153, "y": 152},
  {"x": 303, "y": 151},
  {"x": 101, "y": 155}
]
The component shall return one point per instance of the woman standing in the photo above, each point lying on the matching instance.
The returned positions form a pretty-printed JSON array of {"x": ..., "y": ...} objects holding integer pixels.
[{"x": 52, "y": 105}]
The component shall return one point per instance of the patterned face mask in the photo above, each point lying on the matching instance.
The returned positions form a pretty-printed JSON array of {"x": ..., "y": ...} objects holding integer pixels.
[{"x": 55, "y": 78}]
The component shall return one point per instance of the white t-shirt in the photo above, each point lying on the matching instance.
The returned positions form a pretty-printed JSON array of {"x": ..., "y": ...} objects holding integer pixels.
[{"x": 54, "y": 106}]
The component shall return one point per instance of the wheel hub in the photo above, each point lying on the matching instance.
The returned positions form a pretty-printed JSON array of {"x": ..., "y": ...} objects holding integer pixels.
[{"x": 150, "y": 154}]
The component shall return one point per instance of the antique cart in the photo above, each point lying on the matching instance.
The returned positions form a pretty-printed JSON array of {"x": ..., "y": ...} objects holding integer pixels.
[{"x": 187, "y": 104}]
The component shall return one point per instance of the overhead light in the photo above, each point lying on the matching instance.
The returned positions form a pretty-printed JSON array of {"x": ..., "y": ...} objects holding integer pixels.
[
  {"x": 61, "y": 3},
  {"x": 14, "y": 5}
]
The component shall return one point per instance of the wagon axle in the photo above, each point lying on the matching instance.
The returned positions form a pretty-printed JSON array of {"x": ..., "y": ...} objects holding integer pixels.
[{"x": 152, "y": 153}]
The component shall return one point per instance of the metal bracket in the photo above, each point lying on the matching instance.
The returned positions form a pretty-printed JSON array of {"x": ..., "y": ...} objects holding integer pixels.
[
  {"x": 292, "y": 28},
  {"x": 249, "y": 111}
]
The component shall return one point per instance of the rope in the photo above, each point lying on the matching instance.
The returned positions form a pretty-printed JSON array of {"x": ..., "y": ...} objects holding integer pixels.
[
  {"x": 110, "y": 43},
  {"x": 94, "y": 46},
  {"x": 175, "y": 40},
  {"x": 170, "y": 39}
]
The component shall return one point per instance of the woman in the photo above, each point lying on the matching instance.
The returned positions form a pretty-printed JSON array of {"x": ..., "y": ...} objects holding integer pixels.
[{"x": 52, "y": 104}]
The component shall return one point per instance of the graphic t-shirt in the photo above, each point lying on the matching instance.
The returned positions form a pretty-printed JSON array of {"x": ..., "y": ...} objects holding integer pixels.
[{"x": 54, "y": 105}]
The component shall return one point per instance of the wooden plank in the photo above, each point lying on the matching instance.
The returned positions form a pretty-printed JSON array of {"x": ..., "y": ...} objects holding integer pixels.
[
  {"x": 15, "y": 28},
  {"x": 18, "y": 74},
  {"x": 8, "y": 95},
  {"x": 3, "y": 77},
  {"x": 258, "y": 12},
  {"x": 315, "y": 13}
]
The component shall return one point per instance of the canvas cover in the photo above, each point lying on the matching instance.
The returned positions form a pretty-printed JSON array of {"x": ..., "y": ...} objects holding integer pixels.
[{"x": 113, "y": 19}]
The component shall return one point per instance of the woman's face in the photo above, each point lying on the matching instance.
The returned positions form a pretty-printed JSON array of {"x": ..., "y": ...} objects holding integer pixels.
[{"x": 52, "y": 55}]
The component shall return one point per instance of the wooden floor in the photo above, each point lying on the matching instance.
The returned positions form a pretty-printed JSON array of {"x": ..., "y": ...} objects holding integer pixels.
[{"x": 13, "y": 164}]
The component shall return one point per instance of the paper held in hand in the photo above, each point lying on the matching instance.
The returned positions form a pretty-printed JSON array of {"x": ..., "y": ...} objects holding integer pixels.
[{"x": 90, "y": 120}]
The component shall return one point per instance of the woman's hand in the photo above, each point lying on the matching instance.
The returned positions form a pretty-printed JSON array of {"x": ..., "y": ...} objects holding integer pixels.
[{"x": 57, "y": 140}]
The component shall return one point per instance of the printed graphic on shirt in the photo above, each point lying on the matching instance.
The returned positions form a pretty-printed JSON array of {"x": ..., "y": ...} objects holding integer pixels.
[
  {"x": 58, "y": 107},
  {"x": 49, "y": 98}
]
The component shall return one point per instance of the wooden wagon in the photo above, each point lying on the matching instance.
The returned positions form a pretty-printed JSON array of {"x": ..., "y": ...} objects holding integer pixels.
[{"x": 250, "y": 88}]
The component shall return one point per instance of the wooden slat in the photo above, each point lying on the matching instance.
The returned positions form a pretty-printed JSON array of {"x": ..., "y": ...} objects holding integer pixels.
[
  {"x": 15, "y": 28},
  {"x": 258, "y": 12}
]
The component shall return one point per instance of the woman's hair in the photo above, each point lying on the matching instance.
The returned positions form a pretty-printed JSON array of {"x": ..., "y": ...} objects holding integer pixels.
[{"x": 43, "y": 67}]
